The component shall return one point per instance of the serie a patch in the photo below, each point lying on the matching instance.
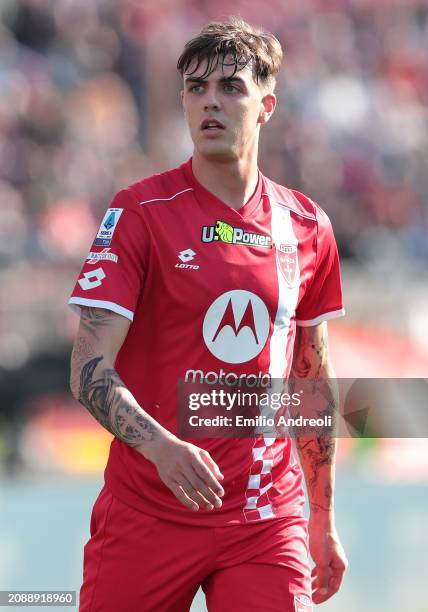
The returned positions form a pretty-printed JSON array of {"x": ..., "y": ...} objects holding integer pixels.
[{"x": 107, "y": 227}]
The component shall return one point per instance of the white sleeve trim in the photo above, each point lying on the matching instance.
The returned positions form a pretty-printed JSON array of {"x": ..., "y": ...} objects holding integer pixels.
[
  {"x": 75, "y": 302},
  {"x": 334, "y": 314}
]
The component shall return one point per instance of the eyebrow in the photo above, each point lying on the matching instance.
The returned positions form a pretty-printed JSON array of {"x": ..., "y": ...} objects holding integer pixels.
[{"x": 236, "y": 79}]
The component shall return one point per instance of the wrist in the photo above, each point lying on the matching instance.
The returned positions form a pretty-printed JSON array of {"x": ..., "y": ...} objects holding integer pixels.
[{"x": 152, "y": 449}]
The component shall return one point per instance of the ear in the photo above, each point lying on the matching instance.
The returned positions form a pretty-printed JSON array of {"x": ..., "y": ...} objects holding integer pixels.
[
  {"x": 182, "y": 99},
  {"x": 268, "y": 105}
]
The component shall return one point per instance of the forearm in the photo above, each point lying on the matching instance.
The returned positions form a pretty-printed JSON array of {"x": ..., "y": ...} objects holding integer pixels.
[
  {"x": 317, "y": 450},
  {"x": 317, "y": 454},
  {"x": 107, "y": 398},
  {"x": 97, "y": 386},
  {"x": 312, "y": 371}
]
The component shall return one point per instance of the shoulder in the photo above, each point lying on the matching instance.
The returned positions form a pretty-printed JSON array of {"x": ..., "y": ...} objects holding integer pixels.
[
  {"x": 297, "y": 202},
  {"x": 163, "y": 187}
]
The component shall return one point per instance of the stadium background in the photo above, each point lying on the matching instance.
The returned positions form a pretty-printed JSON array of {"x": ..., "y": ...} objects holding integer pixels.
[{"x": 89, "y": 103}]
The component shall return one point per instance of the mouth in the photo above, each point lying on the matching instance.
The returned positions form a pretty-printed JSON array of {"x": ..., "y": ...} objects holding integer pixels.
[{"x": 211, "y": 125}]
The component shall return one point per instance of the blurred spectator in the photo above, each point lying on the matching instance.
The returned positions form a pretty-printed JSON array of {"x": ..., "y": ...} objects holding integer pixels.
[{"x": 89, "y": 102}]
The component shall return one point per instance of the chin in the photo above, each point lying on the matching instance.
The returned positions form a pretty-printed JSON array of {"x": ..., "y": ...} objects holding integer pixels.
[{"x": 216, "y": 151}]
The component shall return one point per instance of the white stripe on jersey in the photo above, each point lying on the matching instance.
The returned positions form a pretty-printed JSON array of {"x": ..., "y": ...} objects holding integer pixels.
[
  {"x": 321, "y": 318},
  {"x": 76, "y": 302},
  {"x": 166, "y": 199},
  {"x": 282, "y": 233},
  {"x": 297, "y": 212}
]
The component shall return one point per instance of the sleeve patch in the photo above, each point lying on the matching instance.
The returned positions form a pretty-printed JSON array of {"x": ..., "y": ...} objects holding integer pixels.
[{"x": 107, "y": 227}]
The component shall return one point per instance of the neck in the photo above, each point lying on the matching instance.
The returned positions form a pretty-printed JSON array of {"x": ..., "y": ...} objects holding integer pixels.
[{"x": 234, "y": 182}]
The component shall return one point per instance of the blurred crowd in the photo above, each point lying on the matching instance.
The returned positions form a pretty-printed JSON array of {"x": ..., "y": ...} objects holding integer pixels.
[{"x": 89, "y": 102}]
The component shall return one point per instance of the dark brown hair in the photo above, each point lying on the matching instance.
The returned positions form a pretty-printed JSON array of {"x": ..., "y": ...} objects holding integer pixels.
[{"x": 233, "y": 43}]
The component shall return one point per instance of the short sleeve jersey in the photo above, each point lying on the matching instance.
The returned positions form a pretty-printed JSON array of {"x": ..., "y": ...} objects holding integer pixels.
[{"x": 212, "y": 292}]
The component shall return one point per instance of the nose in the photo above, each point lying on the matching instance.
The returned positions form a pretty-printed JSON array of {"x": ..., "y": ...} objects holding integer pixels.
[
  {"x": 213, "y": 105},
  {"x": 211, "y": 102}
]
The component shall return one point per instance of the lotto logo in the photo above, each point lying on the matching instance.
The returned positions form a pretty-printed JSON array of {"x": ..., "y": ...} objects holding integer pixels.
[
  {"x": 92, "y": 279},
  {"x": 186, "y": 255}
]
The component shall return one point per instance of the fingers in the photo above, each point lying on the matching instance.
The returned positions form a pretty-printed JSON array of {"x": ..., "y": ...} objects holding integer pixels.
[
  {"x": 320, "y": 588},
  {"x": 335, "y": 583},
  {"x": 193, "y": 479},
  {"x": 194, "y": 494},
  {"x": 338, "y": 574},
  {"x": 182, "y": 497},
  {"x": 208, "y": 496},
  {"x": 212, "y": 465},
  {"x": 208, "y": 471},
  {"x": 327, "y": 580},
  {"x": 198, "y": 492}
]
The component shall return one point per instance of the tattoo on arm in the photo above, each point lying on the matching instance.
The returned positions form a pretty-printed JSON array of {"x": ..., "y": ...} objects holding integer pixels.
[
  {"x": 310, "y": 355},
  {"x": 82, "y": 352},
  {"x": 93, "y": 319},
  {"x": 100, "y": 389},
  {"x": 310, "y": 362},
  {"x": 314, "y": 453},
  {"x": 103, "y": 397}
]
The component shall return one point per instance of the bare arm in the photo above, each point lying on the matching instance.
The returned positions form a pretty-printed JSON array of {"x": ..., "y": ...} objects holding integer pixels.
[
  {"x": 97, "y": 385},
  {"x": 317, "y": 455},
  {"x": 188, "y": 471}
]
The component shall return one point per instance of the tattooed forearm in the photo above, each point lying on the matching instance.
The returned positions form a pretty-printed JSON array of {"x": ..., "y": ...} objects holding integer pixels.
[
  {"x": 106, "y": 397},
  {"x": 98, "y": 386},
  {"x": 317, "y": 451},
  {"x": 131, "y": 426},
  {"x": 82, "y": 352}
]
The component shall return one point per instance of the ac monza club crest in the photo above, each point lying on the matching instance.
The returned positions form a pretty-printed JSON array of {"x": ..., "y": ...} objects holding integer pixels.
[
  {"x": 302, "y": 604},
  {"x": 287, "y": 258}
]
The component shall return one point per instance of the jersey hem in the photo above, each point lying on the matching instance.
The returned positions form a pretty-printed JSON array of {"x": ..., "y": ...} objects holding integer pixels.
[
  {"x": 75, "y": 302},
  {"x": 228, "y": 519},
  {"x": 327, "y": 316}
]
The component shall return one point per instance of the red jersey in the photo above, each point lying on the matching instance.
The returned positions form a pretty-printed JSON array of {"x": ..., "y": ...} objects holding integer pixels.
[{"x": 214, "y": 294}]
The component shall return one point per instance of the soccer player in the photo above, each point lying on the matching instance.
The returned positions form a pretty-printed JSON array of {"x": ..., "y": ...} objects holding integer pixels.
[{"x": 209, "y": 272}]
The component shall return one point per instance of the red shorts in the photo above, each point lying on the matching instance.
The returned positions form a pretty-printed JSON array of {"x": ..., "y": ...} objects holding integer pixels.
[{"x": 139, "y": 563}]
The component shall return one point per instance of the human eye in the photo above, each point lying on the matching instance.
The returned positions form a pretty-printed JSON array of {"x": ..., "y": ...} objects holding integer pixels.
[
  {"x": 229, "y": 88},
  {"x": 198, "y": 88}
]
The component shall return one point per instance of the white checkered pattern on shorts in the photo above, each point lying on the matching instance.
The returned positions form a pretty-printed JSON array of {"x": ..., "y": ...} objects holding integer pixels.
[{"x": 258, "y": 505}]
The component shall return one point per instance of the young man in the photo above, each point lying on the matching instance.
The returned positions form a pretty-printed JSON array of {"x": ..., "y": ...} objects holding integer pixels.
[{"x": 205, "y": 271}]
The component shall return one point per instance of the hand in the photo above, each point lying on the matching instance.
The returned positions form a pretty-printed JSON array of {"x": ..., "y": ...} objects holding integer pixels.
[
  {"x": 329, "y": 558},
  {"x": 188, "y": 471}
]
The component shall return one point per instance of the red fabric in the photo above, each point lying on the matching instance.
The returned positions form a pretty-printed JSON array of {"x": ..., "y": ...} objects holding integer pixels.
[
  {"x": 138, "y": 562},
  {"x": 231, "y": 315}
]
